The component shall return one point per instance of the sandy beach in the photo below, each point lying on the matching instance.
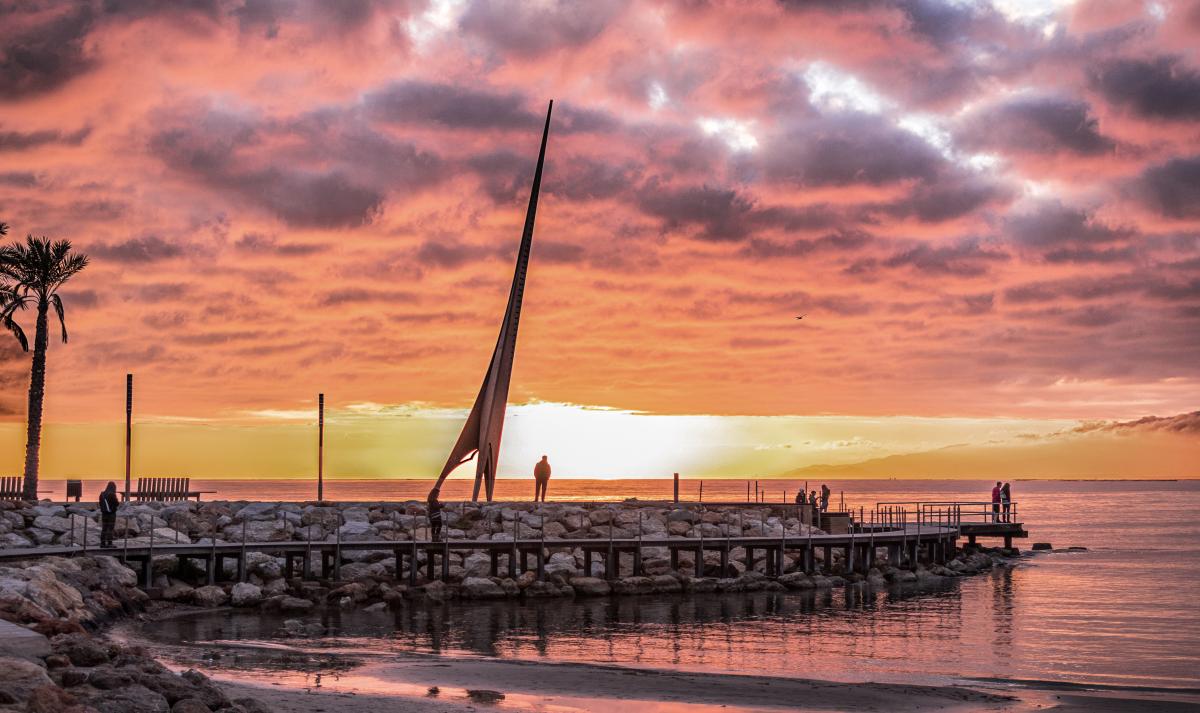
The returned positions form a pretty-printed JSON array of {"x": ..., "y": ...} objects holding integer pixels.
[{"x": 471, "y": 684}]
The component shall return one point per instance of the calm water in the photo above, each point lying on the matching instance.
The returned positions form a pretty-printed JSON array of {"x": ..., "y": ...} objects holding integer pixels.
[{"x": 1123, "y": 613}]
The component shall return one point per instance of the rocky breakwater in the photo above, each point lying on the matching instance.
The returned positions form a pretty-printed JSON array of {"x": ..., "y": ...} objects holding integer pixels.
[
  {"x": 374, "y": 578},
  {"x": 73, "y": 672}
]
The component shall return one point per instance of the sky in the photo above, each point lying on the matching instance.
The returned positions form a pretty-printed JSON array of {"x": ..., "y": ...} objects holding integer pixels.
[{"x": 987, "y": 212}]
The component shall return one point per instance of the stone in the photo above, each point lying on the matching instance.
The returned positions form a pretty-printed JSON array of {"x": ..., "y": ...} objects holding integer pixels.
[
  {"x": 481, "y": 588},
  {"x": 590, "y": 586},
  {"x": 256, "y": 511},
  {"x": 134, "y": 698},
  {"x": 189, "y": 705},
  {"x": 107, "y": 679},
  {"x": 80, "y": 649},
  {"x": 796, "y": 580},
  {"x": 245, "y": 594},
  {"x": 682, "y": 515},
  {"x": 477, "y": 564},
  {"x": 19, "y": 678},
  {"x": 288, "y": 603},
  {"x": 51, "y": 699},
  {"x": 73, "y": 677},
  {"x": 176, "y": 591},
  {"x": 53, "y": 523},
  {"x": 209, "y": 596},
  {"x": 666, "y": 583}
]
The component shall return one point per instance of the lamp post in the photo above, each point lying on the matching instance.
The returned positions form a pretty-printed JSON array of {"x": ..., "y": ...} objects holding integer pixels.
[{"x": 320, "y": 447}]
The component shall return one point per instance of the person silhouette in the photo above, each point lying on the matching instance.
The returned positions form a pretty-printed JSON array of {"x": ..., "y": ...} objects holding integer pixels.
[{"x": 541, "y": 479}]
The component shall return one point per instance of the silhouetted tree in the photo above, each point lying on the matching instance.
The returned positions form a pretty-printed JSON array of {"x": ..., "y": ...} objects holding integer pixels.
[{"x": 32, "y": 273}]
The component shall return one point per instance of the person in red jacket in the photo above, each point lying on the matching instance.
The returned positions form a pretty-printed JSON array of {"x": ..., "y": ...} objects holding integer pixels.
[
  {"x": 541, "y": 479},
  {"x": 996, "y": 502}
]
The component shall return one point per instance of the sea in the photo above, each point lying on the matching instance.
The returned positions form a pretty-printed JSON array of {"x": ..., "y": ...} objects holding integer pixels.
[{"x": 1114, "y": 603}]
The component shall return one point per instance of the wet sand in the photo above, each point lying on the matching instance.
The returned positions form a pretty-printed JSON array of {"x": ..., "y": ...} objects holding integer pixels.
[
  {"x": 403, "y": 686},
  {"x": 473, "y": 685}
]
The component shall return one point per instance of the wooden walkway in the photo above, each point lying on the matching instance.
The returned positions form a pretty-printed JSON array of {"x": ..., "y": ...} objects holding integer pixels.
[{"x": 908, "y": 544}]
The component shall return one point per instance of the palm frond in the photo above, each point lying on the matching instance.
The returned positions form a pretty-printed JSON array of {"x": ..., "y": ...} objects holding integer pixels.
[
  {"x": 11, "y": 325},
  {"x": 62, "y": 320}
]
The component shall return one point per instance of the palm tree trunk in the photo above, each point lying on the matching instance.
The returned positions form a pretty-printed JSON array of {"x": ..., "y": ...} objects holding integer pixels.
[{"x": 37, "y": 393}]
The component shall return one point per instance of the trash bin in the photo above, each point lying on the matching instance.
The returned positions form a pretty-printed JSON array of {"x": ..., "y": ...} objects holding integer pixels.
[{"x": 74, "y": 489}]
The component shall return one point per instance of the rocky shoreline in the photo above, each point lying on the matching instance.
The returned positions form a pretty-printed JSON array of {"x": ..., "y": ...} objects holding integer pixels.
[{"x": 66, "y": 598}]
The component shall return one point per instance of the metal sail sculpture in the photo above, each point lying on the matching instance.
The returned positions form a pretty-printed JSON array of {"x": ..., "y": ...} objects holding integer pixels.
[{"x": 481, "y": 433}]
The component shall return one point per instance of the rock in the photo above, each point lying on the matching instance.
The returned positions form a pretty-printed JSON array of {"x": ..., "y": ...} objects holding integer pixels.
[
  {"x": 245, "y": 594},
  {"x": 481, "y": 588},
  {"x": 107, "y": 679},
  {"x": 796, "y": 580},
  {"x": 249, "y": 705},
  {"x": 260, "y": 531},
  {"x": 256, "y": 511},
  {"x": 288, "y": 603},
  {"x": 633, "y": 585},
  {"x": 19, "y": 678},
  {"x": 177, "y": 591},
  {"x": 590, "y": 586},
  {"x": 189, "y": 705},
  {"x": 74, "y": 677},
  {"x": 356, "y": 530},
  {"x": 682, "y": 515},
  {"x": 477, "y": 564},
  {"x": 134, "y": 698},
  {"x": 51, "y": 699},
  {"x": 54, "y": 523},
  {"x": 81, "y": 649},
  {"x": 210, "y": 596},
  {"x": 666, "y": 583},
  {"x": 1041, "y": 546},
  {"x": 376, "y": 607}
]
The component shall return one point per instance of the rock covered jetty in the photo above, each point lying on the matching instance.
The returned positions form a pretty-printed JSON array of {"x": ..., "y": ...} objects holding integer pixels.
[{"x": 373, "y": 577}]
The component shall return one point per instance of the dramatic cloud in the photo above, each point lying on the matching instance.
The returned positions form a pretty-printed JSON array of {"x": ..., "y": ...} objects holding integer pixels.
[
  {"x": 982, "y": 208},
  {"x": 1159, "y": 88}
]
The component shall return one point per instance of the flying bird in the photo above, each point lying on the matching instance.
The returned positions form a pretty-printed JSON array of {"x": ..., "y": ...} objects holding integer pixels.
[{"x": 802, "y": 316}]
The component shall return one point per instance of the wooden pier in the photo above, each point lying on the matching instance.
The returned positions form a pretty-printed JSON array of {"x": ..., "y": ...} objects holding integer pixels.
[{"x": 313, "y": 560}]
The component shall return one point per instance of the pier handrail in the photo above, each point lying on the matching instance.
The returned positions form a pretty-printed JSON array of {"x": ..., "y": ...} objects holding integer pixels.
[{"x": 930, "y": 511}]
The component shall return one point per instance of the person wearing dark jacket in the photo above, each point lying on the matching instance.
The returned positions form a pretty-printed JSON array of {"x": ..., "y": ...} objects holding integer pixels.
[
  {"x": 434, "y": 508},
  {"x": 541, "y": 479},
  {"x": 108, "y": 514}
]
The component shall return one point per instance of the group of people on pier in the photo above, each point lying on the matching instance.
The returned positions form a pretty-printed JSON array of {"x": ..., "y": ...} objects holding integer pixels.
[{"x": 822, "y": 505}]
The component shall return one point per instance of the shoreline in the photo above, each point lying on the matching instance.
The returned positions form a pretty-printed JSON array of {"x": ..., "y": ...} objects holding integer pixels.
[{"x": 424, "y": 683}]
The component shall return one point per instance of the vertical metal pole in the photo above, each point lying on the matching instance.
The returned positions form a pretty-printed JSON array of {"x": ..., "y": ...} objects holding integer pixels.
[
  {"x": 701, "y": 491},
  {"x": 677, "y": 488},
  {"x": 320, "y": 447},
  {"x": 128, "y": 429}
]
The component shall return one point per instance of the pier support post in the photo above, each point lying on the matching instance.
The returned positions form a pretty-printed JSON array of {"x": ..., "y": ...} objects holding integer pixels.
[
  {"x": 749, "y": 558},
  {"x": 674, "y": 559},
  {"x": 725, "y": 560},
  {"x": 828, "y": 564},
  {"x": 700, "y": 560},
  {"x": 612, "y": 563},
  {"x": 637, "y": 561},
  {"x": 587, "y": 563}
]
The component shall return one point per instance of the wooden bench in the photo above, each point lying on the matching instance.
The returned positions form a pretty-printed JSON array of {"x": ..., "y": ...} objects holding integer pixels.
[
  {"x": 11, "y": 487},
  {"x": 164, "y": 490}
]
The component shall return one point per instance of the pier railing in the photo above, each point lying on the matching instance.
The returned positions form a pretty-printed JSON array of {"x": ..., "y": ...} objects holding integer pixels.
[{"x": 950, "y": 513}]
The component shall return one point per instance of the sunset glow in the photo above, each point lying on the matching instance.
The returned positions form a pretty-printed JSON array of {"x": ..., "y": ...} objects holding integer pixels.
[{"x": 989, "y": 215}]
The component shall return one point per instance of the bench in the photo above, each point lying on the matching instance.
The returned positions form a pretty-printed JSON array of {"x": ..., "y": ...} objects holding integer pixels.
[
  {"x": 11, "y": 487},
  {"x": 164, "y": 490}
]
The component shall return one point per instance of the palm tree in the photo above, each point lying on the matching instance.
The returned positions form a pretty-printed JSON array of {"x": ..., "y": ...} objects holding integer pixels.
[{"x": 33, "y": 273}]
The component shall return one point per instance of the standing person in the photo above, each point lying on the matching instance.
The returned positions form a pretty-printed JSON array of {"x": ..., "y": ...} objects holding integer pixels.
[
  {"x": 996, "y": 502},
  {"x": 824, "y": 498},
  {"x": 108, "y": 514},
  {"x": 1006, "y": 501},
  {"x": 541, "y": 479},
  {"x": 434, "y": 508}
]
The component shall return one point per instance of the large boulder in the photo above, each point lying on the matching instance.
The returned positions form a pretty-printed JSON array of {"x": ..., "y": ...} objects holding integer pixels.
[
  {"x": 245, "y": 594},
  {"x": 210, "y": 596},
  {"x": 590, "y": 586},
  {"x": 256, "y": 511},
  {"x": 481, "y": 588},
  {"x": 134, "y": 698},
  {"x": 19, "y": 678},
  {"x": 477, "y": 564},
  {"x": 260, "y": 531},
  {"x": 53, "y": 523}
]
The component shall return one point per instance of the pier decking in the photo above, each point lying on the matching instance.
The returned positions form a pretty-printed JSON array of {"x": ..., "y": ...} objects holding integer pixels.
[{"x": 908, "y": 544}]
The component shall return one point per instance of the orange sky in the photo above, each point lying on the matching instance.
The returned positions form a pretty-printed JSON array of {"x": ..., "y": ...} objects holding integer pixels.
[{"x": 989, "y": 213}]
